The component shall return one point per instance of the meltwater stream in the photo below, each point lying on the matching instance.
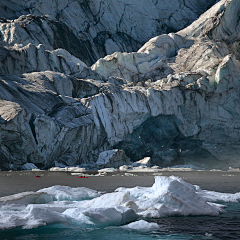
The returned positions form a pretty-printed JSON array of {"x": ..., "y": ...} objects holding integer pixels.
[{"x": 170, "y": 209}]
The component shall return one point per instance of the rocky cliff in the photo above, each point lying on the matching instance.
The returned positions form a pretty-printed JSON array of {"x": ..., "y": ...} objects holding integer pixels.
[{"x": 174, "y": 99}]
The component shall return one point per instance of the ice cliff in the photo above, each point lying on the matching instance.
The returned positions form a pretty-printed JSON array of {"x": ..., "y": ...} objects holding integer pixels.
[
  {"x": 174, "y": 99},
  {"x": 92, "y": 29}
]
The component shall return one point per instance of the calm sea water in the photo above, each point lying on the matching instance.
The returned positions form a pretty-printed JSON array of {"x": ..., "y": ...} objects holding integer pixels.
[{"x": 225, "y": 226}]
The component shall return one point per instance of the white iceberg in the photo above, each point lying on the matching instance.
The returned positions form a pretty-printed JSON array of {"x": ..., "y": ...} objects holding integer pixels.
[
  {"x": 68, "y": 169},
  {"x": 145, "y": 162},
  {"x": 168, "y": 196},
  {"x": 107, "y": 170}
]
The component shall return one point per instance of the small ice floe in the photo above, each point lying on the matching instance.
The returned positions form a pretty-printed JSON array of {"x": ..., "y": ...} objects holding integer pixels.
[
  {"x": 125, "y": 168},
  {"x": 29, "y": 166},
  {"x": 182, "y": 168},
  {"x": 76, "y": 169},
  {"x": 142, "y": 165},
  {"x": 169, "y": 196},
  {"x": 143, "y": 162},
  {"x": 230, "y": 169},
  {"x": 143, "y": 169},
  {"x": 142, "y": 225},
  {"x": 67, "y": 169},
  {"x": 58, "y": 169},
  {"x": 81, "y": 174},
  {"x": 101, "y": 174},
  {"x": 107, "y": 170},
  {"x": 129, "y": 175},
  {"x": 208, "y": 234}
]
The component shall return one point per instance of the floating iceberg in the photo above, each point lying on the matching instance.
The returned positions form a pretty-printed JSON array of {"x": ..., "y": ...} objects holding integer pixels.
[
  {"x": 126, "y": 207},
  {"x": 67, "y": 169},
  {"x": 142, "y": 225},
  {"x": 170, "y": 196}
]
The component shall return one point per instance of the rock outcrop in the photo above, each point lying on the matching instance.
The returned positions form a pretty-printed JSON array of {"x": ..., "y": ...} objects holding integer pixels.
[{"x": 175, "y": 100}]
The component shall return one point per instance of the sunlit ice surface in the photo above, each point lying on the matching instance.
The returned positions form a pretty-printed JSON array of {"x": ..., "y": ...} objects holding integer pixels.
[{"x": 170, "y": 209}]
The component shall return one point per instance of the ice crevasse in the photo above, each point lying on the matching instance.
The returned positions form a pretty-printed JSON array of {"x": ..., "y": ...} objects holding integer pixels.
[{"x": 126, "y": 207}]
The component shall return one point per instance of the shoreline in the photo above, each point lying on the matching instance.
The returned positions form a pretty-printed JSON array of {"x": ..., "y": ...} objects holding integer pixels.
[{"x": 13, "y": 182}]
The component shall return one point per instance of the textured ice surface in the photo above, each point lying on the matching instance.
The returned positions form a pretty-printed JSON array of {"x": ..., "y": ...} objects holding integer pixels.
[
  {"x": 26, "y": 198},
  {"x": 65, "y": 193},
  {"x": 88, "y": 208},
  {"x": 170, "y": 196}
]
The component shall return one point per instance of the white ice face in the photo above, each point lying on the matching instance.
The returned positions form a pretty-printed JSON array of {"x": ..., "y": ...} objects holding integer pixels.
[
  {"x": 141, "y": 225},
  {"x": 88, "y": 208}
]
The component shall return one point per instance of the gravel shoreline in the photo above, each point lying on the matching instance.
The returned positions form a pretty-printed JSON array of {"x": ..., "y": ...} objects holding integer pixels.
[{"x": 23, "y": 181}]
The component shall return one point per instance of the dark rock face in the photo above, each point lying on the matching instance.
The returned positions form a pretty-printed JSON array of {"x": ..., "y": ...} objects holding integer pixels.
[
  {"x": 160, "y": 138},
  {"x": 41, "y": 122}
]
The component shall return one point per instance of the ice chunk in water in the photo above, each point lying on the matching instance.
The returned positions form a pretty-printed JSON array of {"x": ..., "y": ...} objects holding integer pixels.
[{"x": 142, "y": 225}]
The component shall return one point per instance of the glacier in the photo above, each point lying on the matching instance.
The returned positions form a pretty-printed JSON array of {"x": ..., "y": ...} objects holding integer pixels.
[{"x": 81, "y": 78}]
